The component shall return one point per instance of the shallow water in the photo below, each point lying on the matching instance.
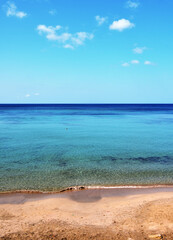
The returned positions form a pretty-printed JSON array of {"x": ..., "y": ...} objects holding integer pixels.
[{"x": 51, "y": 147}]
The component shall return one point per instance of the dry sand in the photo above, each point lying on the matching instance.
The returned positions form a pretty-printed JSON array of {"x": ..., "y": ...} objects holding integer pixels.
[{"x": 88, "y": 214}]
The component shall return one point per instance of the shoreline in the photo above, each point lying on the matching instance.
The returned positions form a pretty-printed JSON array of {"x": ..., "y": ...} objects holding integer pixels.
[
  {"x": 84, "y": 195},
  {"x": 80, "y": 188}
]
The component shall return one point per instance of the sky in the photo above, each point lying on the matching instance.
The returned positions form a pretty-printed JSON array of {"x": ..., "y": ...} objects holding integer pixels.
[{"x": 86, "y": 51}]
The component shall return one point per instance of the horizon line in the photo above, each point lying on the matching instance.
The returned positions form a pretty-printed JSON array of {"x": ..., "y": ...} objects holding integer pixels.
[{"x": 84, "y": 103}]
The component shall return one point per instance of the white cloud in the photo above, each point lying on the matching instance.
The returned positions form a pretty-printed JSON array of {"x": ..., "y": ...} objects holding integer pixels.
[
  {"x": 49, "y": 30},
  {"x": 68, "y": 46},
  {"x": 80, "y": 37},
  {"x": 132, "y": 4},
  {"x": 148, "y": 63},
  {"x": 70, "y": 40},
  {"x": 125, "y": 64},
  {"x": 12, "y": 11},
  {"x": 134, "y": 62},
  {"x": 139, "y": 50},
  {"x": 52, "y": 12},
  {"x": 121, "y": 24},
  {"x": 100, "y": 20},
  {"x": 29, "y": 95}
]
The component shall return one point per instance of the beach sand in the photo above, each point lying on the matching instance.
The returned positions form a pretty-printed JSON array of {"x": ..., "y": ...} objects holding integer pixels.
[{"x": 122, "y": 214}]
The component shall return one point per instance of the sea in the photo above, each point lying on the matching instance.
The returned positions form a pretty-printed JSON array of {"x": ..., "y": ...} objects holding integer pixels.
[{"x": 50, "y": 147}]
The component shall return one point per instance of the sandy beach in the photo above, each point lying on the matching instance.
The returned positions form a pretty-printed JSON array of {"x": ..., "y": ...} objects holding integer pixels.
[{"x": 143, "y": 213}]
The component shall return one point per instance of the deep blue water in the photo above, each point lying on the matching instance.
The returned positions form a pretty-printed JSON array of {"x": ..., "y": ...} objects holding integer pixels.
[{"x": 50, "y": 147}]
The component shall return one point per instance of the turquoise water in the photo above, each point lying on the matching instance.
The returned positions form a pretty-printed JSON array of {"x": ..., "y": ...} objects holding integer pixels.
[{"x": 51, "y": 147}]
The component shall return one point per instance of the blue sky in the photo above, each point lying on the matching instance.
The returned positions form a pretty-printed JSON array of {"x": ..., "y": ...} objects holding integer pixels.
[{"x": 89, "y": 51}]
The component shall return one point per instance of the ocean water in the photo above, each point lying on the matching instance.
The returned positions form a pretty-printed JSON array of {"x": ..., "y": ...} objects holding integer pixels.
[{"x": 51, "y": 147}]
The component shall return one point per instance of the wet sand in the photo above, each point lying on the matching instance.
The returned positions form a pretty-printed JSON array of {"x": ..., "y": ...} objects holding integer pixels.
[{"x": 122, "y": 213}]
